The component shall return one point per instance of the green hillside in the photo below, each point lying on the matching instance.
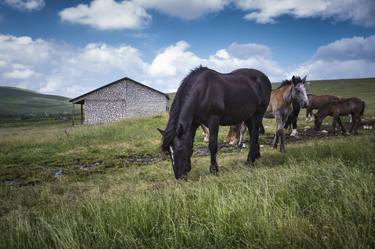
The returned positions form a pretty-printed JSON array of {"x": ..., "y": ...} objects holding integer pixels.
[{"x": 16, "y": 101}]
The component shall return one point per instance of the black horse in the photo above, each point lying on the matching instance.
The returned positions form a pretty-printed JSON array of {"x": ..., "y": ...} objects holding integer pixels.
[{"x": 211, "y": 98}]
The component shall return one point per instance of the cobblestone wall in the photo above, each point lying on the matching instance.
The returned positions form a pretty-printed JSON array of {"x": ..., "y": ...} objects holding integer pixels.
[{"x": 124, "y": 99}]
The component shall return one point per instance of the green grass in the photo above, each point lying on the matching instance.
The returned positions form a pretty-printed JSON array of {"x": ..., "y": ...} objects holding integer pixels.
[
  {"x": 320, "y": 194},
  {"x": 16, "y": 101}
]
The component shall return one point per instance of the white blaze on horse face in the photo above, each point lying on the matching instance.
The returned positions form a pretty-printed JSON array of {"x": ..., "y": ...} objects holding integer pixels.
[
  {"x": 303, "y": 90},
  {"x": 172, "y": 154}
]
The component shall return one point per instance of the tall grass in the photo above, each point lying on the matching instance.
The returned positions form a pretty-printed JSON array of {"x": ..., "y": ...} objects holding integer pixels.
[{"x": 321, "y": 198}]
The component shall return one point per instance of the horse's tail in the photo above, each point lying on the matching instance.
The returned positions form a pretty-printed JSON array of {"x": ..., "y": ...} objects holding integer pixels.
[{"x": 363, "y": 108}]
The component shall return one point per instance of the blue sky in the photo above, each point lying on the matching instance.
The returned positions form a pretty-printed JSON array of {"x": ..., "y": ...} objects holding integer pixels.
[{"x": 70, "y": 47}]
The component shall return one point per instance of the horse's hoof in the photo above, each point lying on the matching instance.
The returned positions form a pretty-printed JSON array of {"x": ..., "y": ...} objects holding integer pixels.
[
  {"x": 182, "y": 178},
  {"x": 214, "y": 171},
  {"x": 249, "y": 163}
]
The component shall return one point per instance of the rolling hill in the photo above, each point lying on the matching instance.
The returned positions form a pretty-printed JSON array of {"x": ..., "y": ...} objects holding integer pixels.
[{"x": 15, "y": 101}]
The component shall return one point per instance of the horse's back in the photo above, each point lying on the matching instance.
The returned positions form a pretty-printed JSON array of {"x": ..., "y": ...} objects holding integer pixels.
[{"x": 234, "y": 96}]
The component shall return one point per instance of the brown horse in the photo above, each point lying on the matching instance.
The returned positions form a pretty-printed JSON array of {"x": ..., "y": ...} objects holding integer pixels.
[
  {"x": 316, "y": 102},
  {"x": 280, "y": 105},
  {"x": 343, "y": 107},
  {"x": 234, "y": 137},
  {"x": 235, "y": 134}
]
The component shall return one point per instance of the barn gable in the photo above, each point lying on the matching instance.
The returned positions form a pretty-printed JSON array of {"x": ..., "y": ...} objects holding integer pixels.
[{"x": 124, "y": 98}]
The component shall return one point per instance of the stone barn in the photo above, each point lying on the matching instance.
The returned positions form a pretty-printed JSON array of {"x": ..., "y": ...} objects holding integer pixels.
[{"x": 124, "y": 98}]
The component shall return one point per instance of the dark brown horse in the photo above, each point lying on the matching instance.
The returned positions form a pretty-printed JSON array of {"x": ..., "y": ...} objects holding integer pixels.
[
  {"x": 343, "y": 107},
  {"x": 316, "y": 102},
  {"x": 213, "y": 99}
]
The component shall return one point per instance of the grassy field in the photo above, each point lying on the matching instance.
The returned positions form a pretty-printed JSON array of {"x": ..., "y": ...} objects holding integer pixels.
[
  {"x": 17, "y": 101},
  {"x": 108, "y": 186}
]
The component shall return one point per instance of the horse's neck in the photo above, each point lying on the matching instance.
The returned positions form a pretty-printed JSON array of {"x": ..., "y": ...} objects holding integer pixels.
[
  {"x": 280, "y": 98},
  {"x": 287, "y": 94},
  {"x": 186, "y": 115}
]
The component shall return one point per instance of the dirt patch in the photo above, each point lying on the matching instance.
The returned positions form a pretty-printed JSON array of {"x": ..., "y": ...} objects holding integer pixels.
[
  {"x": 141, "y": 159},
  {"x": 19, "y": 182},
  {"x": 304, "y": 134},
  {"x": 87, "y": 166}
]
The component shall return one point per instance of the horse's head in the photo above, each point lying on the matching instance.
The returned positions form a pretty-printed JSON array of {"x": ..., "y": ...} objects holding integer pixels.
[
  {"x": 317, "y": 122},
  {"x": 299, "y": 91},
  {"x": 179, "y": 149}
]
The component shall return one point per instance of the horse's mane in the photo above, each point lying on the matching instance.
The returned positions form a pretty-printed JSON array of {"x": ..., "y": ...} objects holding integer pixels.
[
  {"x": 289, "y": 82},
  {"x": 170, "y": 131}
]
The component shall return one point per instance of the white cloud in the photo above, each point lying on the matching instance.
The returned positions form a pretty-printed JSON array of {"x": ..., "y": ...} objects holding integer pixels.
[
  {"x": 361, "y": 12},
  {"x": 172, "y": 64},
  {"x": 187, "y": 10},
  {"x": 62, "y": 69},
  {"x": 55, "y": 68},
  {"x": 26, "y": 5},
  {"x": 132, "y": 14},
  {"x": 107, "y": 14},
  {"x": 111, "y": 14},
  {"x": 19, "y": 74},
  {"x": 345, "y": 58}
]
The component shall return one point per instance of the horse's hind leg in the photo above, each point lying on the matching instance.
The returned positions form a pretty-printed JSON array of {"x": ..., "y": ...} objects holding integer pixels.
[
  {"x": 356, "y": 122},
  {"x": 275, "y": 141},
  {"x": 253, "y": 126},
  {"x": 213, "y": 126}
]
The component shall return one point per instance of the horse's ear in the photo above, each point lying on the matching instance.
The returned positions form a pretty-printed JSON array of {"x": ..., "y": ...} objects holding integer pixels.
[
  {"x": 161, "y": 131},
  {"x": 304, "y": 79},
  {"x": 293, "y": 79}
]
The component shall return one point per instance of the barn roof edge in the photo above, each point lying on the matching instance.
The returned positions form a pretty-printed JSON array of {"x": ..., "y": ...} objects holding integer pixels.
[{"x": 75, "y": 100}]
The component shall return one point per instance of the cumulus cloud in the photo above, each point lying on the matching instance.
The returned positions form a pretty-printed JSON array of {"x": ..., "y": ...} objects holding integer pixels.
[
  {"x": 26, "y": 5},
  {"x": 19, "y": 74},
  {"x": 173, "y": 63},
  {"x": 187, "y": 10},
  {"x": 346, "y": 58},
  {"x": 361, "y": 12},
  {"x": 111, "y": 14},
  {"x": 55, "y": 68},
  {"x": 132, "y": 14},
  {"x": 107, "y": 14}
]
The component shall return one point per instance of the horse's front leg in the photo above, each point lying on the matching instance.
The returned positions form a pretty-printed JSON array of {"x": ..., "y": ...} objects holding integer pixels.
[
  {"x": 213, "y": 126},
  {"x": 242, "y": 131},
  {"x": 276, "y": 137},
  {"x": 280, "y": 130},
  {"x": 194, "y": 128},
  {"x": 341, "y": 126},
  {"x": 334, "y": 125}
]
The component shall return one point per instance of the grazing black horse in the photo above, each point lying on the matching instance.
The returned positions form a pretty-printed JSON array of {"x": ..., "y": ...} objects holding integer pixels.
[{"x": 211, "y": 98}]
